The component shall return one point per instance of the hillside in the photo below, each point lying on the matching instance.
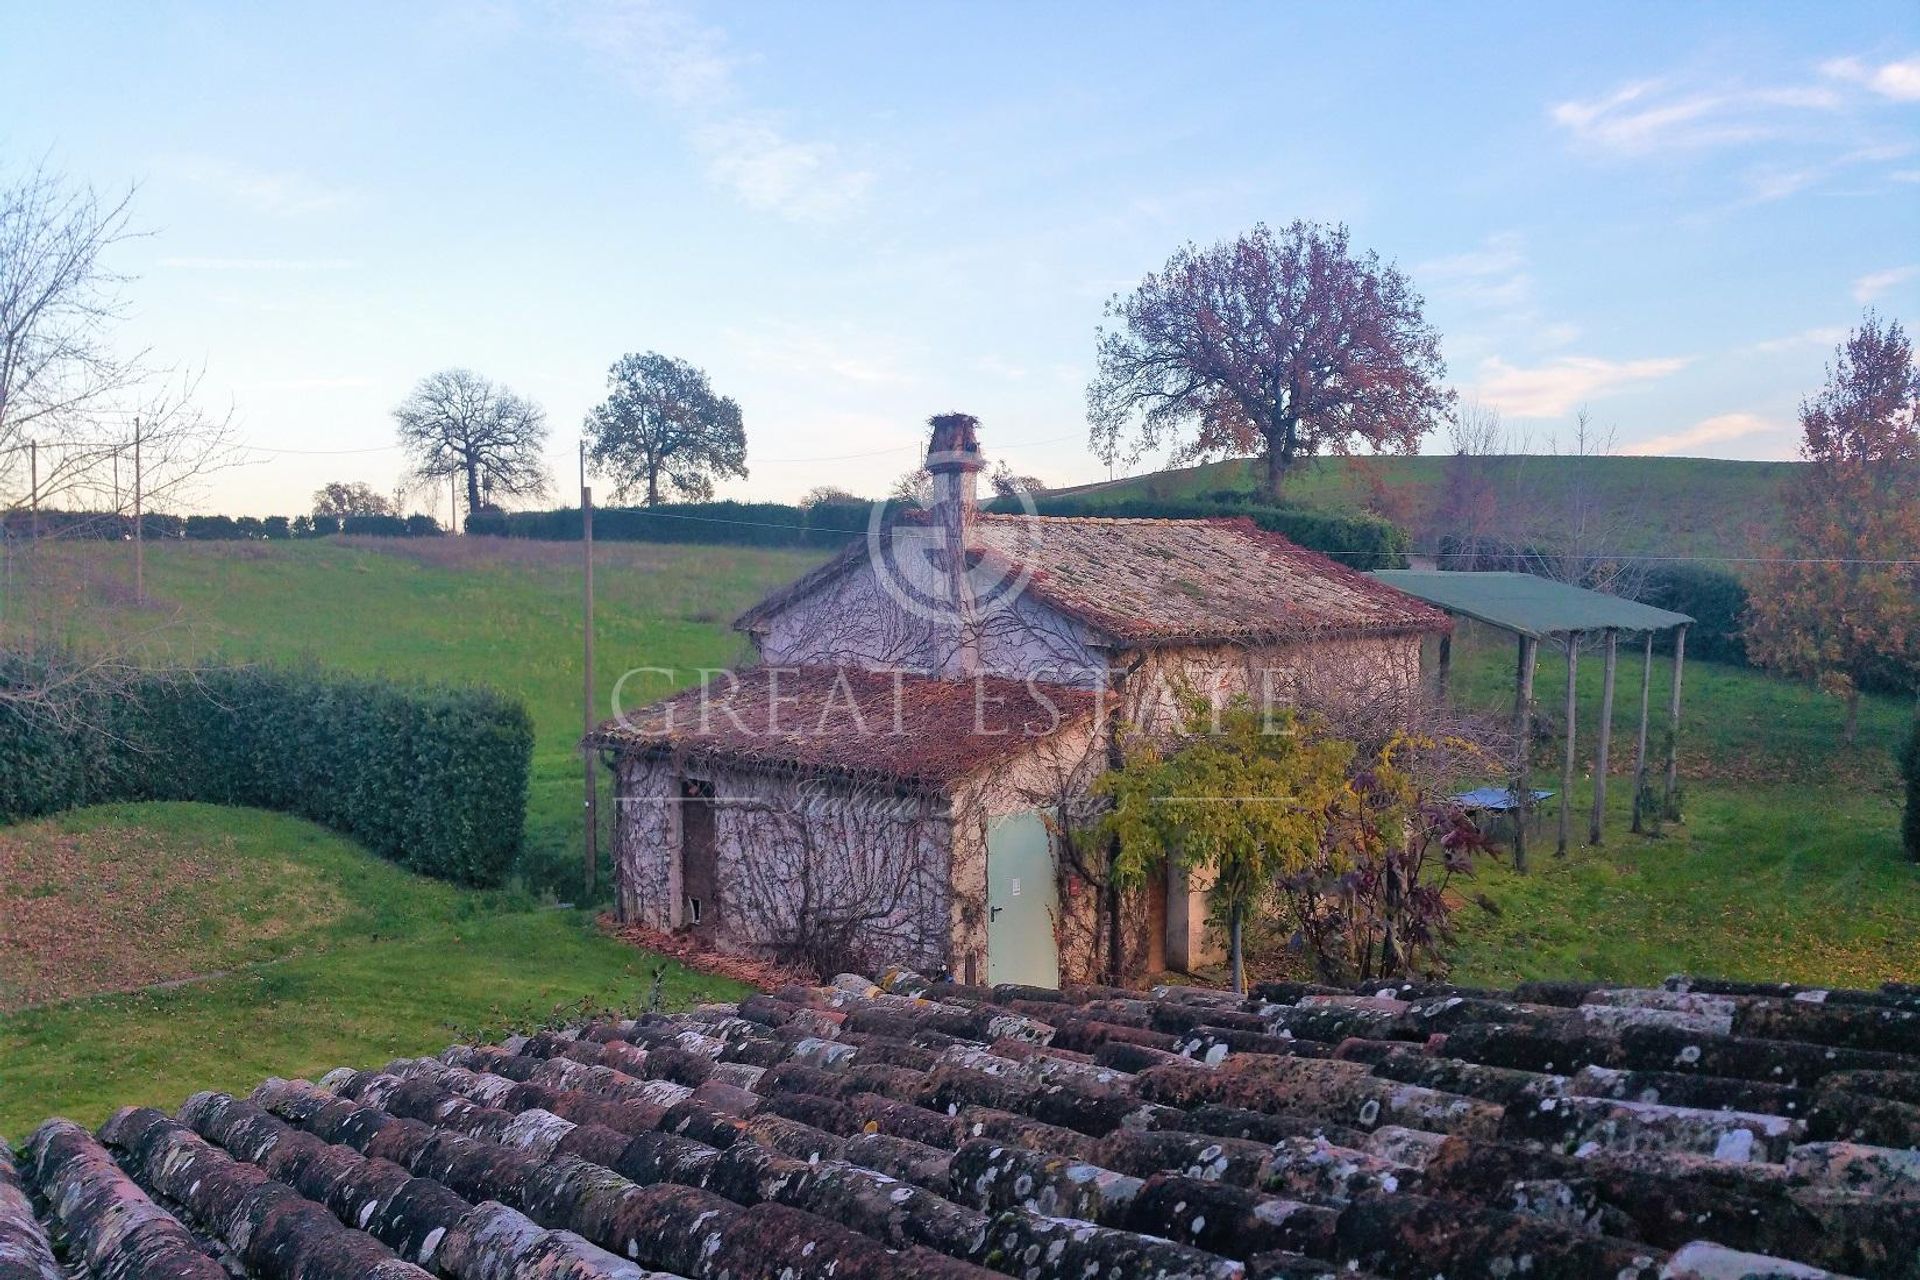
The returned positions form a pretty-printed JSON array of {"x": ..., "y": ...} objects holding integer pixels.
[{"x": 1706, "y": 507}]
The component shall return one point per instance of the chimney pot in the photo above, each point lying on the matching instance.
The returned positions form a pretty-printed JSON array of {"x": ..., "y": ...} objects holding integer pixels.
[{"x": 955, "y": 444}]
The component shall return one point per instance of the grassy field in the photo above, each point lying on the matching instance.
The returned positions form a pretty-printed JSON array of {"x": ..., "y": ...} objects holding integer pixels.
[
  {"x": 1668, "y": 506},
  {"x": 488, "y": 611},
  {"x": 1787, "y": 865},
  {"x": 324, "y": 956}
]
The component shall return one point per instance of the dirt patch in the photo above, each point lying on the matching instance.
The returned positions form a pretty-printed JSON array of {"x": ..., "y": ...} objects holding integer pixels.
[
  {"x": 689, "y": 951},
  {"x": 118, "y": 907}
]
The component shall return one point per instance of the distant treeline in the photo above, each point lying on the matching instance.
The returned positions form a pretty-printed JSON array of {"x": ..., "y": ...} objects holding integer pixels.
[{"x": 107, "y": 526}]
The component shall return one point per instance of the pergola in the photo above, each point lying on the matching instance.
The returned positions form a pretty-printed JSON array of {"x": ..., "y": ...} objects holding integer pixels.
[{"x": 1534, "y": 609}]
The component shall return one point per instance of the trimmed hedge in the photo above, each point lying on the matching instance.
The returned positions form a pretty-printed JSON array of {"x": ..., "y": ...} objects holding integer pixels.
[
  {"x": 1357, "y": 541},
  {"x": 1910, "y": 767},
  {"x": 157, "y": 527},
  {"x": 753, "y": 524},
  {"x": 1714, "y": 598},
  {"x": 434, "y": 779}
]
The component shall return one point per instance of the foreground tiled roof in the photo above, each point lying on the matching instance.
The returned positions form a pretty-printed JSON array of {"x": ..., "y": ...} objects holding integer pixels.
[
  {"x": 1197, "y": 581},
  {"x": 907, "y": 728},
  {"x": 1710, "y": 1130},
  {"x": 1157, "y": 582}
]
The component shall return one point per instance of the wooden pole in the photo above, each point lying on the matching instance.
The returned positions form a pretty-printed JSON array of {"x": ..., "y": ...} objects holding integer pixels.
[
  {"x": 139, "y": 525},
  {"x": 1566, "y": 755},
  {"x": 1667, "y": 802},
  {"x": 453, "y": 502},
  {"x": 1445, "y": 665},
  {"x": 1596, "y": 827},
  {"x": 1640, "y": 746},
  {"x": 33, "y": 473},
  {"x": 592, "y": 788},
  {"x": 1522, "y": 796}
]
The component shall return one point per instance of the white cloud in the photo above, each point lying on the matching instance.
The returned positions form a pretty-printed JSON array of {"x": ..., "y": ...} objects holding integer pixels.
[
  {"x": 771, "y": 171},
  {"x": 285, "y": 193},
  {"x": 1492, "y": 275},
  {"x": 1651, "y": 115},
  {"x": 671, "y": 59},
  {"x": 1554, "y": 389},
  {"x": 1819, "y": 337},
  {"x": 1715, "y": 430},
  {"x": 1874, "y": 283},
  {"x": 1898, "y": 80},
  {"x": 259, "y": 264}
]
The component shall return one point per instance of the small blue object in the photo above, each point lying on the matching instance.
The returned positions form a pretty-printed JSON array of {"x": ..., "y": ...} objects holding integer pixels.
[{"x": 1495, "y": 799}]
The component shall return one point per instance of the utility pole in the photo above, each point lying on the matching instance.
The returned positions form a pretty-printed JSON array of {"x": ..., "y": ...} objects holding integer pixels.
[
  {"x": 139, "y": 523},
  {"x": 592, "y": 788},
  {"x": 33, "y": 475},
  {"x": 453, "y": 502}
]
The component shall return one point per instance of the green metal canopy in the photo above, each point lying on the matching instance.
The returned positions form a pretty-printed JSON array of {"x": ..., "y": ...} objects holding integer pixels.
[{"x": 1528, "y": 605}]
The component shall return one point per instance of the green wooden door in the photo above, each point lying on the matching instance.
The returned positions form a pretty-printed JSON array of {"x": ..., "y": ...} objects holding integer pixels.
[{"x": 1022, "y": 900}]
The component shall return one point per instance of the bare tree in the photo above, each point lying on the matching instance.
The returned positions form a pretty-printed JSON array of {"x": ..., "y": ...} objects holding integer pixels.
[
  {"x": 1579, "y": 533},
  {"x": 457, "y": 423},
  {"x": 1008, "y": 483},
  {"x": 90, "y": 428},
  {"x": 59, "y": 303},
  {"x": 1283, "y": 344},
  {"x": 1473, "y": 514}
]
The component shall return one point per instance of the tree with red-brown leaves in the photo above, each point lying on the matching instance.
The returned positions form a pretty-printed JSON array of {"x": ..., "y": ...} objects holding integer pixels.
[
  {"x": 1842, "y": 606},
  {"x": 1284, "y": 344}
]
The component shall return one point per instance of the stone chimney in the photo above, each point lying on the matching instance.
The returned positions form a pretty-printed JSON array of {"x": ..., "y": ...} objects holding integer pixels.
[{"x": 953, "y": 459}]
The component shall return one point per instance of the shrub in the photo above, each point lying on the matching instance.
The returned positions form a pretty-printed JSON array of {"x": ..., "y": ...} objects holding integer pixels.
[
  {"x": 487, "y": 522},
  {"x": 374, "y": 526},
  {"x": 1714, "y": 598},
  {"x": 1910, "y": 768},
  {"x": 434, "y": 779}
]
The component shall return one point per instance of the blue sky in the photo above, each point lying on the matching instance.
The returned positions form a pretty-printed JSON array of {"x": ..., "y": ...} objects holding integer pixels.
[{"x": 854, "y": 216}]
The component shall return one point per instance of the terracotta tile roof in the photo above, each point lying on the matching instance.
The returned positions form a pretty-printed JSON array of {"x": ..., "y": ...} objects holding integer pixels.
[
  {"x": 911, "y": 729},
  {"x": 1197, "y": 581},
  {"x": 928, "y": 1129},
  {"x": 1149, "y": 582}
]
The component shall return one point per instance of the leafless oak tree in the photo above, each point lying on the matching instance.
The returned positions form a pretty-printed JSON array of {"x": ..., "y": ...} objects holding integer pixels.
[{"x": 457, "y": 423}]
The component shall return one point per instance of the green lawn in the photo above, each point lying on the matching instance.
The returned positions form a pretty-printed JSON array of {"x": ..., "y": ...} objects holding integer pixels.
[
  {"x": 501, "y": 613},
  {"x": 1787, "y": 866},
  {"x": 385, "y": 963}
]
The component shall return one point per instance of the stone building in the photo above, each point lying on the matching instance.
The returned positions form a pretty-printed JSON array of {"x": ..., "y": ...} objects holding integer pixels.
[{"x": 890, "y": 782}]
